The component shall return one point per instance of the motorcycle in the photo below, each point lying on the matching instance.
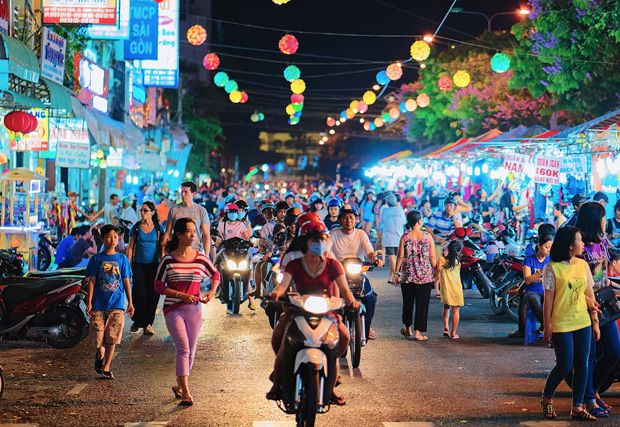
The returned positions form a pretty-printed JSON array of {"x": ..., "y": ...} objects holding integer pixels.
[
  {"x": 50, "y": 310},
  {"x": 473, "y": 259},
  {"x": 46, "y": 249},
  {"x": 235, "y": 267},
  {"x": 505, "y": 296},
  {"x": 312, "y": 353},
  {"x": 12, "y": 263}
]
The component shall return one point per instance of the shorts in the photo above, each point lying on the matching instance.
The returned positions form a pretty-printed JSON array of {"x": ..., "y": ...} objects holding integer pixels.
[
  {"x": 391, "y": 250},
  {"x": 108, "y": 326}
]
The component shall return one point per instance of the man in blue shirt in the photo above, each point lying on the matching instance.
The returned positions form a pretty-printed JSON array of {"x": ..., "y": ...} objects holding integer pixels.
[
  {"x": 65, "y": 245},
  {"x": 443, "y": 224}
]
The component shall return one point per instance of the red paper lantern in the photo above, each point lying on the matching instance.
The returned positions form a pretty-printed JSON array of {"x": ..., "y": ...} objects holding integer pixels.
[
  {"x": 444, "y": 83},
  {"x": 20, "y": 121},
  {"x": 297, "y": 98},
  {"x": 34, "y": 124},
  {"x": 288, "y": 44},
  {"x": 211, "y": 61},
  {"x": 244, "y": 97}
]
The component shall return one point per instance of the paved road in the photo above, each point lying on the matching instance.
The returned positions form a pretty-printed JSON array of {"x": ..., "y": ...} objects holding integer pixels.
[{"x": 482, "y": 379}]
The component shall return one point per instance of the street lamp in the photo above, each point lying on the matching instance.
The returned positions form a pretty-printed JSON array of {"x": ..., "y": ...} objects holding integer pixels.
[{"x": 522, "y": 11}]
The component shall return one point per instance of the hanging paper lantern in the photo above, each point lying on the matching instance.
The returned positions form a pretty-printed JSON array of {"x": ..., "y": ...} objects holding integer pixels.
[
  {"x": 289, "y": 110},
  {"x": 372, "y": 127},
  {"x": 231, "y": 86},
  {"x": 461, "y": 78},
  {"x": 297, "y": 98},
  {"x": 350, "y": 114},
  {"x": 298, "y": 114},
  {"x": 420, "y": 50},
  {"x": 220, "y": 79},
  {"x": 298, "y": 86},
  {"x": 293, "y": 120},
  {"x": 394, "y": 113},
  {"x": 244, "y": 97},
  {"x": 386, "y": 117},
  {"x": 235, "y": 96},
  {"x": 353, "y": 106},
  {"x": 369, "y": 97},
  {"x": 211, "y": 61},
  {"x": 331, "y": 122},
  {"x": 362, "y": 107},
  {"x": 292, "y": 73},
  {"x": 298, "y": 107},
  {"x": 423, "y": 100},
  {"x": 402, "y": 107},
  {"x": 382, "y": 78},
  {"x": 343, "y": 116},
  {"x": 394, "y": 71},
  {"x": 288, "y": 44},
  {"x": 254, "y": 118},
  {"x": 367, "y": 126},
  {"x": 411, "y": 105},
  {"x": 280, "y": 2},
  {"x": 500, "y": 63},
  {"x": 378, "y": 122},
  {"x": 20, "y": 121},
  {"x": 196, "y": 35},
  {"x": 444, "y": 83},
  {"x": 261, "y": 117}
]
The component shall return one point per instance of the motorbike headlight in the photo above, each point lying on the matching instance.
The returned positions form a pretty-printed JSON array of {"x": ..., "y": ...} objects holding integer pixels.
[
  {"x": 231, "y": 265},
  {"x": 316, "y": 305},
  {"x": 354, "y": 268},
  {"x": 279, "y": 278},
  {"x": 243, "y": 265}
]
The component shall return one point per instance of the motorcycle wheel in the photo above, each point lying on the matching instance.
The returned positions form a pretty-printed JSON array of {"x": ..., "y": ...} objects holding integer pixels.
[
  {"x": 496, "y": 301},
  {"x": 76, "y": 329},
  {"x": 512, "y": 306},
  {"x": 355, "y": 341},
  {"x": 1, "y": 383},
  {"x": 482, "y": 287},
  {"x": 310, "y": 399},
  {"x": 237, "y": 291},
  {"x": 45, "y": 258}
]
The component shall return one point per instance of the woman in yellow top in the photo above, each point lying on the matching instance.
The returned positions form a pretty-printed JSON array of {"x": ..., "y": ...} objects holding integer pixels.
[
  {"x": 570, "y": 319},
  {"x": 448, "y": 275}
]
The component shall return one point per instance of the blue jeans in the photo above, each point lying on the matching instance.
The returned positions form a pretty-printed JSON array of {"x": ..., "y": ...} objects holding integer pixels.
[
  {"x": 571, "y": 353},
  {"x": 370, "y": 301},
  {"x": 610, "y": 355}
]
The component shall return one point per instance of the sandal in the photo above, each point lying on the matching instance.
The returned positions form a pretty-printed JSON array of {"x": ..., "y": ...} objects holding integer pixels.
[
  {"x": 177, "y": 392},
  {"x": 422, "y": 338},
  {"x": 186, "y": 402},
  {"x": 338, "y": 400},
  {"x": 274, "y": 393},
  {"x": 446, "y": 333},
  {"x": 404, "y": 332},
  {"x": 454, "y": 337},
  {"x": 599, "y": 412},
  {"x": 582, "y": 415},
  {"x": 548, "y": 411}
]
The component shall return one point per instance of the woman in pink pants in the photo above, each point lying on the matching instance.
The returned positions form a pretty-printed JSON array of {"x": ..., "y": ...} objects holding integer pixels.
[{"x": 178, "y": 278}]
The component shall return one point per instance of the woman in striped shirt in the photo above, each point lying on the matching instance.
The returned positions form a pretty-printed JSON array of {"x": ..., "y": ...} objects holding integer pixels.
[{"x": 178, "y": 278}]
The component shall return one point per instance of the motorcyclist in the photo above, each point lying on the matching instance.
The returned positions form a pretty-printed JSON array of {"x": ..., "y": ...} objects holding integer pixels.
[
  {"x": 280, "y": 210},
  {"x": 333, "y": 209},
  {"x": 314, "y": 272},
  {"x": 243, "y": 209},
  {"x": 351, "y": 242}
]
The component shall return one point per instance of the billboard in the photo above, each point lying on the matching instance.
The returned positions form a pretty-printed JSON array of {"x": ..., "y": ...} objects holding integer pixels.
[
  {"x": 97, "y": 12},
  {"x": 53, "y": 56},
  {"x": 143, "y": 28},
  {"x": 4, "y": 16},
  {"x": 120, "y": 31},
  {"x": 91, "y": 83},
  {"x": 164, "y": 72}
]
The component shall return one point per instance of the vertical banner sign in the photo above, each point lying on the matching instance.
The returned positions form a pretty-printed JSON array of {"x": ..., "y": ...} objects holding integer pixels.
[
  {"x": 547, "y": 170},
  {"x": 96, "y": 12},
  {"x": 164, "y": 72},
  {"x": 143, "y": 30},
  {"x": 515, "y": 163},
  {"x": 53, "y": 56},
  {"x": 37, "y": 140},
  {"x": 72, "y": 143},
  {"x": 4, "y": 16},
  {"x": 120, "y": 31}
]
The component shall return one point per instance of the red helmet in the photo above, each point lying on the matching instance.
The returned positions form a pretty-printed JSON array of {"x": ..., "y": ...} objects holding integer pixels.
[
  {"x": 313, "y": 230},
  {"x": 309, "y": 216},
  {"x": 231, "y": 207}
]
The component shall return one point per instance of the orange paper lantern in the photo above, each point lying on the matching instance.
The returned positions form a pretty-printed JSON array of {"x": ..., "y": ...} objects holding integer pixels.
[
  {"x": 288, "y": 44},
  {"x": 196, "y": 35}
]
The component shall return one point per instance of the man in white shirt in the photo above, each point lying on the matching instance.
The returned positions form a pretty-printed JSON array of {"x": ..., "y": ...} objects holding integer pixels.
[
  {"x": 351, "y": 242},
  {"x": 188, "y": 209}
]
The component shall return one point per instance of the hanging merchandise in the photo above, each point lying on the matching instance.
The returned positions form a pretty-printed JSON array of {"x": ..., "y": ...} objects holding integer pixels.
[
  {"x": 288, "y": 44},
  {"x": 292, "y": 73},
  {"x": 444, "y": 83},
  {"x": 235, "y": 97},
  {"x": 382, "y": 78},
  {"x": 196, "y": 35},
  {"x": 298, "y": 86},
  {"x": 231, "y": 86},
  {"x": 423, "y": 100},
  {"x": 220, "y": 79},
  {"x": 394, "y": 71},
  {"x": 461, "y": 78},
  {"x": 500, "y": 63},
  {"x": 420, "y": 50},
  {"x": 369, "y": 97},
  {"x": 411, "y": 105},
  {"x": 211, "y": 61}
]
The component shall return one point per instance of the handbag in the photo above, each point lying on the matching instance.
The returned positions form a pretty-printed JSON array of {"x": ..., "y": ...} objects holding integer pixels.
[{"x": 609, "y": 305}]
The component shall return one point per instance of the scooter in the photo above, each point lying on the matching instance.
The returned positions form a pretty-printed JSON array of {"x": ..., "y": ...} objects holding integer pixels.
[
  {"x": 12, "y": 263},
  {"x": 47, "y": 249},
  {"x": 311, "y": 355},
  {"x": 49, "y": 310},
  {"x": 235, "y": 267},
  {"x": 472, "y": 261},
  {"x": 505, "y": 295}
]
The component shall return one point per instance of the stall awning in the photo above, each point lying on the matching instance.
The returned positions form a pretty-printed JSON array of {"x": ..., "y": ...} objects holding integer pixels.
[
  {"x": 400, "y": 155},
  {"x": 17, "y": 100},
  {"x": 106, "y": 131},
  {"x": 599, "y": 123},
  {"x": 22, "y": 61},
  {"x": 54, "y": 95}
]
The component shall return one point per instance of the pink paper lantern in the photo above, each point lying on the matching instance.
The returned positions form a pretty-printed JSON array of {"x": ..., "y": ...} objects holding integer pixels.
[
  {"x": 297, "y": 98},
  {"x": 288, "y": 44},
  {"x": 444, "y": 83},
  {"x": 244, "y": 97},
  {"x": 331, "y": 122},
  {"x": 362, "y": 107},
  {"x": 211, "y": 61}
]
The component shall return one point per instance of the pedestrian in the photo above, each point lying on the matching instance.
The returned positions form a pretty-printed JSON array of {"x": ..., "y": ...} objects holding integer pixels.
[
  {"x": 163, "y": 208},
  {"x": 179, "y": 276},
  {"x": 613, "y": 227},
  {"x": 558, "y": 215},
  {"x": 415, "y": 273},
  {"x": 109, "y": 212},
  {"x": 570, "y": 319},
  {"x": 144, "y": 253},
  {"x": 448, "y": 275},
  {"x": 368, "y": 216},
  {"x": 109, "y": 296},
  {"x": 128, "y": 213},
  {"x": 65, "y": 245},
  {"x": 392, "y": 223},
  {"x": 73, "y": 210}
]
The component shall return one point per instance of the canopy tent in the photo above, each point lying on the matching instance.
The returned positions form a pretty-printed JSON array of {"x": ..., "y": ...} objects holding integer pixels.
[
  {"x": 396, "y": 156},
  {"x": 600, "y": 123}
]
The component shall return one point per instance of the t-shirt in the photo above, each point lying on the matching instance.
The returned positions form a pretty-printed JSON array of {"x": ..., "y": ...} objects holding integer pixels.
[
  {"x": 484, "y": 206},
  {"x": 392, "y": 225},
  {"x": 197, "y": 213},
  {"x": 267, "y": 231},
  {"x": 65, "y": 245},
  {"x": 324, "y": 281},
  {"x": 354, "y": 245},
  {"x": 441, "y": 225},
  {"x": 110, "y": 213},
  {"x": 228, "y": 230},
  {"x": 109, "y": 272},
  {"x": 597, "y": 256},
  {"x": 76, "y": 253},
  {"x": 532, "y": 262},
  {"x": 145, "y": 251},
  {"x": 329, "y": 223},
  {"x": 129, "y": 214}
]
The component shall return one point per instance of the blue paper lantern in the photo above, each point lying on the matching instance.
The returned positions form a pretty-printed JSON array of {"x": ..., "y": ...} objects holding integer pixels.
[
  {"x": 231, "y": 86},
  {"x": 292, "y": 73},
  {"x": 382, "y": 78},
  {"x": 402, "y": 107},
  {"x": 500, "y": 63},
  {"x": 220, "y": 79}
]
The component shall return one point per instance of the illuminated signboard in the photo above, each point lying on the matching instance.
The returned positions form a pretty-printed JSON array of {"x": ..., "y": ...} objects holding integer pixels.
[
  {"x": 97, "y": 12},
  {"x": 91, "y": 83},
  {"x": 120, "y": 31},
  {"x": 143, "y": 27},
  {"x": 53, "y": 56},
  {"x": 164, "y": 72}
]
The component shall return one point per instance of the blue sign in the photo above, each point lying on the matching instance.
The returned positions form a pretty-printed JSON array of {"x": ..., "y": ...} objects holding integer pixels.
[{"x": 143, "y": 30}]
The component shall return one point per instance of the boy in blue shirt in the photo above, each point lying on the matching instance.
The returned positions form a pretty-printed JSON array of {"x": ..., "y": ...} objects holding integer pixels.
[{"x": 109, "y": 292}]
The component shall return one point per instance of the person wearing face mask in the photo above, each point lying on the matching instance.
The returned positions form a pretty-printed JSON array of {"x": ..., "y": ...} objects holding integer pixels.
[
  {"x": 243, "y": 210},
  {"x": 266, "y": 233}
]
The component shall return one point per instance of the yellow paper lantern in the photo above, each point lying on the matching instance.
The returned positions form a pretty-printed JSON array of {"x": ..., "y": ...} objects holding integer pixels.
[
  {"x": 461, "y": 78},
  {"x": 235, "y": 96},
  {"x": 196, "y": 35},
  {"x": 420, "y": 50},
  {"x": 39, "y": 171},
  {"x": 298, "y": 86},
  {"x": 369, "y": 97},
  {"x": 378, "y": 122},
  {"x": 353, "y": 106},
  {"x": 394, "y": 71},
  {"x": 280, "y": 2},
  {"x": 290, "y": 110},
  {"x": 394, "y": 113},
  {"x": 350, "y": 114},
  {"x": 423, "y": 100},
  {"x": 411, "y": 105}
]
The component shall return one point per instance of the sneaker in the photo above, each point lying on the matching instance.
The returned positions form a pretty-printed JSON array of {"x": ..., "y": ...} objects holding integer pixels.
[
  {"x": 516, "y": 334},
  {"x": 98, "y": 363},
  {"x": 149, "y": 330},
  {"x": 107, "y": 375},
  {"x": 134, "y": 328}
]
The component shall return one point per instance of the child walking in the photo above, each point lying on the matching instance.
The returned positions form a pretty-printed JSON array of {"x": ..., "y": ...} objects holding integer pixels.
[
  {"x": 109, "y": 292},
  {"x": 448, "y": 275}
]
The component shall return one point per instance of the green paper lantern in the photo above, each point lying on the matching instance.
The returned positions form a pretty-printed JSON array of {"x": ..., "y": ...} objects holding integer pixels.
[
  {"x": 220, "y": 79},
  {"x": 500, "y": 63},
  {"x": 292, "y": 73},
  {"x": 298, "y": 107},
  {"x": 231, "y": 86},
  {"x": 386, "y": 117}
]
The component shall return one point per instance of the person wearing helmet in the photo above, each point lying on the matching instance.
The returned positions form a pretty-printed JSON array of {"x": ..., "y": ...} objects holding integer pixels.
[
  {"x": 266, "y": 232},
  {"x": 290, "y": 221},
  {"x": 302, "y": 219},
  {"x": 318, "y": 206},
  {"x": 350, "y": 242},
  {"x": 243, "y": 209},
  {"x": 231, "y": 226},
  {"x": 333, "y": 209},
  {"x": 267, "y": 210},
  {"x": 313, "y": 272},
  {"x": 289, "y": 198}
]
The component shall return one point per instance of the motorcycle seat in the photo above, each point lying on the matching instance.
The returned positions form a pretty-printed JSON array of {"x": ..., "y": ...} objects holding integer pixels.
[
  {"x": 74, "y": 271},
  {"x": 20, "y": 289}
]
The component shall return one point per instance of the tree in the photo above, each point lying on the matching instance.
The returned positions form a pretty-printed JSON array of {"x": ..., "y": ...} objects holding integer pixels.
[{"x": 203, "y": 133}]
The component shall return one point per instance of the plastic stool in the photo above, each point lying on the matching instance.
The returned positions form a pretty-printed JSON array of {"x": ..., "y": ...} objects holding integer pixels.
[{"x": 531, "y": 326}]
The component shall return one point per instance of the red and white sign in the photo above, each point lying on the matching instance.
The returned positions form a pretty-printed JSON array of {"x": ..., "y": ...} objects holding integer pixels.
[
  {"x": 515, "y": 163},
  {"x": 96, "y": 12},
  {"x": 547, "y": 170}
]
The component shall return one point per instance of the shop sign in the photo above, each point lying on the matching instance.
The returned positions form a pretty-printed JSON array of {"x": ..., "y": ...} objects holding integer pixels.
[
  {"x": 98, "y": 12},
  {"x": 37, "y": 140},
  {"x": 164, "y": 72},
  {"x": 574, "y": 165},
  {"x": 547, "y": 170},
  {"x": 143, "y": 28},
  {"x": 114, "y": 159},
  {"x": 73, "y": 154},
  {"x": 120, "y": 31},
  {"x": 515, "y": 163},
  {"x": 91, "y": 83},
  {"x": 66, "y": 130},
  {"x": 4, "y": 16},
  {"x": 53, "y": 56}
]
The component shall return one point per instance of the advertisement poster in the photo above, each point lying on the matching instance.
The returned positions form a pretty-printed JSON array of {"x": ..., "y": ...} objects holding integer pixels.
[
  {"x": 164, "y": 72},
  {"x": 73, "y": 155},
  {"x": 115, "y": 158},
  {"x": 574, "y": 165},
  {"x": 91, "y": 83},
  {"x": 97, "y": 12},
  {"x": 4, "y": 16},
  {"x": 37, "y": 140},
  {"x": 515, "y": 163},
  {"x": 547, "y": 170},
  {"x": 143, "y": 28},
  {"x": 120, "y": 31},
  {"x": 53, "y": 56}
]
